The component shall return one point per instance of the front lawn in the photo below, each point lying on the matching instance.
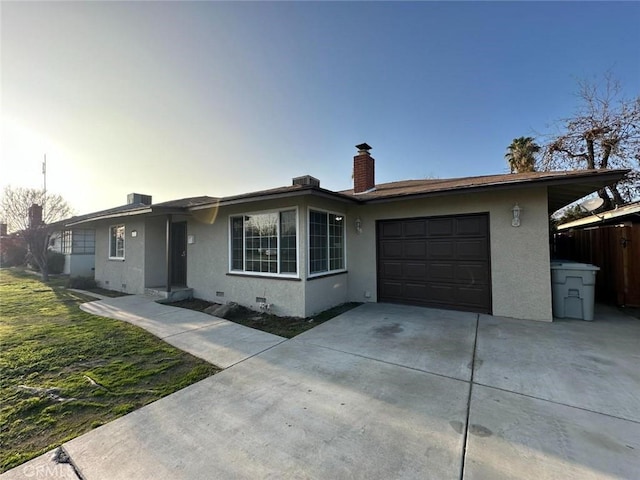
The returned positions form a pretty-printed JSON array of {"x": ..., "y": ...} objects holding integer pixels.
[{"x": 64, "y": 372}]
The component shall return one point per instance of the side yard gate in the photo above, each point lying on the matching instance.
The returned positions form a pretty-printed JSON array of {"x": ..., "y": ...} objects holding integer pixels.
[{"x": 616, "y": 250}]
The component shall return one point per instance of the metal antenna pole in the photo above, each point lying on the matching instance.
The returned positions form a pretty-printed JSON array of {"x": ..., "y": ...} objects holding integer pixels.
[{"x": 44, "y": 173}]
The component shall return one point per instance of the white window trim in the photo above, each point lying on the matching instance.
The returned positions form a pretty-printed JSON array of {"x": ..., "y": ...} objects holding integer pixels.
[
  {"x": 344, "y": 241},
  {"x": 124, "y": 242},
  {"x": 244, "y": 258}
]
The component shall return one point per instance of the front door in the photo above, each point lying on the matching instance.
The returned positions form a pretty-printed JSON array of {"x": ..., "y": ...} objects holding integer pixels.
[{"x": 179, "y": 254}]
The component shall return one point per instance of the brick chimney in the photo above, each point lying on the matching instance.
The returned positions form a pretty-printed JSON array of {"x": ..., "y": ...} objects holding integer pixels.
[
  {"x": 35, "y": 216},
  {"x": 363, "y": 170}
]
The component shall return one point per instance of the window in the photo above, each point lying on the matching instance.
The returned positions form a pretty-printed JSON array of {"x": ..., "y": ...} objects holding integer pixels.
[
  {"x": 79, "y": 241},
  {"x": 66, "y": 241},
  {"x": 264, "y": 243},
  {"x": 116, "y": 242},
  {"x": 326, "y": 242}
]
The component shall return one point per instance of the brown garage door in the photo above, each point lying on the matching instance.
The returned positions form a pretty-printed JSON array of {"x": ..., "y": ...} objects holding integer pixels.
[{"x": 438, "y": 262}]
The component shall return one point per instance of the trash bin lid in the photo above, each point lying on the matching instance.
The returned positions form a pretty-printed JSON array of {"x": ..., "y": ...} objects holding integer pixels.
[{"x": 574, "y": 266}]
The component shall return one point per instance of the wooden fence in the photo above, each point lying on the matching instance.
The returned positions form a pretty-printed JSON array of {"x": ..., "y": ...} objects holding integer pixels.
[{"x": 616, "y": 250}]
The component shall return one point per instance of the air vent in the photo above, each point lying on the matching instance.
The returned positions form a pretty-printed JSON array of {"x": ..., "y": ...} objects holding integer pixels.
[
  {"x": 135, "y": 198},
  {"x": 306, "y": 180}
]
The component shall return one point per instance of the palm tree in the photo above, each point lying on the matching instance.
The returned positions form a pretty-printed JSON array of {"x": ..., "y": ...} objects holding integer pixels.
[{"x": 521, "y": 155}]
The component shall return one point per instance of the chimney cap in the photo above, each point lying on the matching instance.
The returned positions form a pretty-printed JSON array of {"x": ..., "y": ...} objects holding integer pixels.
[{"x": 363, "y": 148}]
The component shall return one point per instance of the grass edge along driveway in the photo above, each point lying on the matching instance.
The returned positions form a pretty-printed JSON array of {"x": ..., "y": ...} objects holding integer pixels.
[{"x": 64, "y": 372}]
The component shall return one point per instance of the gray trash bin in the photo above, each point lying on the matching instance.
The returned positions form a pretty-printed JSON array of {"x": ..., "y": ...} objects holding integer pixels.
[{"x": 573, "y": 289}]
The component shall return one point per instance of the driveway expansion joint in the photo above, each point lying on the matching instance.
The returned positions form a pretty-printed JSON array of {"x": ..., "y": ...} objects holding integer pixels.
[
  {"x": 466, "y": 426},
  {"x": 557, "y": 403},
  {"x": 193, "y": 329},
  {"x": 385, "y": 362}
]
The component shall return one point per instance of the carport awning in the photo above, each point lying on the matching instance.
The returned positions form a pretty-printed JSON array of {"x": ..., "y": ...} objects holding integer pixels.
[{"x": 563, "y": 191}]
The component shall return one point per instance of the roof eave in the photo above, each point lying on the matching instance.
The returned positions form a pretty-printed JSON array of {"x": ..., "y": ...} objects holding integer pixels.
[
  {"x": 585, "y": 183},
  {"x": 242, "y": 199}
]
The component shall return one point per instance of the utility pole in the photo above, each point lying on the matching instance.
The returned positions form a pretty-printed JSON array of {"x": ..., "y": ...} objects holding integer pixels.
[{"x": 44, "y": 174}]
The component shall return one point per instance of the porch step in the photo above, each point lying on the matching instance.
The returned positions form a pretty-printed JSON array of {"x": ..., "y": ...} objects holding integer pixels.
[{"x": 176, "y": 293}]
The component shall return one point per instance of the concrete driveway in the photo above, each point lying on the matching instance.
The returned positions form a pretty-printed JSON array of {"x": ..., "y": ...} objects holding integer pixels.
[{"x": 397, "y": 392}]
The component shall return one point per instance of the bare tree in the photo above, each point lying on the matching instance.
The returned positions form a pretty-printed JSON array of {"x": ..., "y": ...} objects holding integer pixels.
[
  {"x": 33, "y": 214},
  {"x": 604, "y": 133}
]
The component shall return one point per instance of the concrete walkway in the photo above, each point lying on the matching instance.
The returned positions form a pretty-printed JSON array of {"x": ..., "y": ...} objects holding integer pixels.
[
  {"x": 392, "y": 392},
  {"x": 213, "y": 339}
]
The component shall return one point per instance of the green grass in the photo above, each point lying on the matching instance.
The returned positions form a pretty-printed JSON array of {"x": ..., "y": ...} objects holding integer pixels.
[{"x": 64, "y": 372}]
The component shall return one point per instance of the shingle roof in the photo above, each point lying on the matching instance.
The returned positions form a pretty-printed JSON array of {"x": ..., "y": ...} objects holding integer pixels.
[
  {"x": 413, "y": 187},
  {"x": 563, "y": 187}
]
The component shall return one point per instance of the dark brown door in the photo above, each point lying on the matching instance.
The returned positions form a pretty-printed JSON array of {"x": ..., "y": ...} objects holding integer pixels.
[
  {"x": 440, "y": 262},
  {"x": 179, "y": 254}
]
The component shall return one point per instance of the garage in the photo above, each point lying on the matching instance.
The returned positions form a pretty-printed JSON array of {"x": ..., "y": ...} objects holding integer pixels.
[{"x": 440, "y": 262}]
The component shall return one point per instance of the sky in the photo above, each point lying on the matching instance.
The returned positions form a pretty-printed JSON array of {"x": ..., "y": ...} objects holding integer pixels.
[{"x": 182, "y": 99}]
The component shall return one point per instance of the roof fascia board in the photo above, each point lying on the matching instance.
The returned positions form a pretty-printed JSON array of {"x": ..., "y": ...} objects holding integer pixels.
[
  {"x": 129, "y": 213},
  {"x": 606, "y": 177},
  {"x": 274, "y": 196}
]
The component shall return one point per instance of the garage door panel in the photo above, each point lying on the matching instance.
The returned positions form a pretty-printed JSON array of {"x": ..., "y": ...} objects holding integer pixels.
[
  {"x": 441, "y": 293},
  {"x": 415, "y": 228},
  {"x": 474, "y": 226},
  {"x": 443, "y": 249},
  {"x": 391, "y": 290},
  {"x": 415, "y": 249},
  {"x": 442, "y": 271},
  {"x": 471, "y": 249},
  {"x": 392, "y": 269},
  {"x": 443, "y": 227},
  {"x": 415, "y": 291},
  {"x": 415, "y": 270},
  {"x": 471, "y": 296},
  {"x": 471, "y": 274},
  {"x": 436, "y": 261},
  {"x": 392, "y": 229},
  {"x": 392, "y": 249}
]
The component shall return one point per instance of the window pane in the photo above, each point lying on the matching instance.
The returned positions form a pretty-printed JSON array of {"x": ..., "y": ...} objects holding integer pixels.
[
  {"x": 261, "y": 242},
  {"x": 336, "y": 242},
  {"x": 264, "y": 242},
  {"x": 318, "y": 261},
  {"x": 116, "y": 249},
  {"x": 288, "y": 257},
  {"x": 237, "y": 259}
]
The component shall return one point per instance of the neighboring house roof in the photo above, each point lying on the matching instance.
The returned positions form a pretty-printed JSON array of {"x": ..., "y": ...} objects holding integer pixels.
[
  {"x": 173, "y": 206},
  {"x": 564, "y": 188},
  {"x": 619, "y": 214}
]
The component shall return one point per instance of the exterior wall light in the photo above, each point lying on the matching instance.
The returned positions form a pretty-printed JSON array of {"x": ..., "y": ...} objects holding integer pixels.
[
  {"x": 358, "y": 225},
  {"x": 134, "y": 233},
  {"x": 516, "y": 215}
]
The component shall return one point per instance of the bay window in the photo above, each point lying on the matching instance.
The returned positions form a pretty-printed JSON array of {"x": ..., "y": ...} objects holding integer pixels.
[
  {"x": 326, "y": 242},
  {"x": 264, "y": 243}
]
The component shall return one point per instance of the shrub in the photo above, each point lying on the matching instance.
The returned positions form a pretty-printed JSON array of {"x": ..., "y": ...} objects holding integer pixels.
[
  {"x": 55, "y": 261},
  {"x": 13, "y": 251},
  {"x": 82, "y": 283}
]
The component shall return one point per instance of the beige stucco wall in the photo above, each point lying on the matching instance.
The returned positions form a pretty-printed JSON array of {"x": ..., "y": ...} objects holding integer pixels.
[
  {"x": 208, "y": 265},
  {"x": 155, "y": 234},
  {"x": 328, "y": 291},
  {"x": 79, "y": 265},
  {"x": 121, "y": 275},
  {"x": 520, "y": 276}
]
